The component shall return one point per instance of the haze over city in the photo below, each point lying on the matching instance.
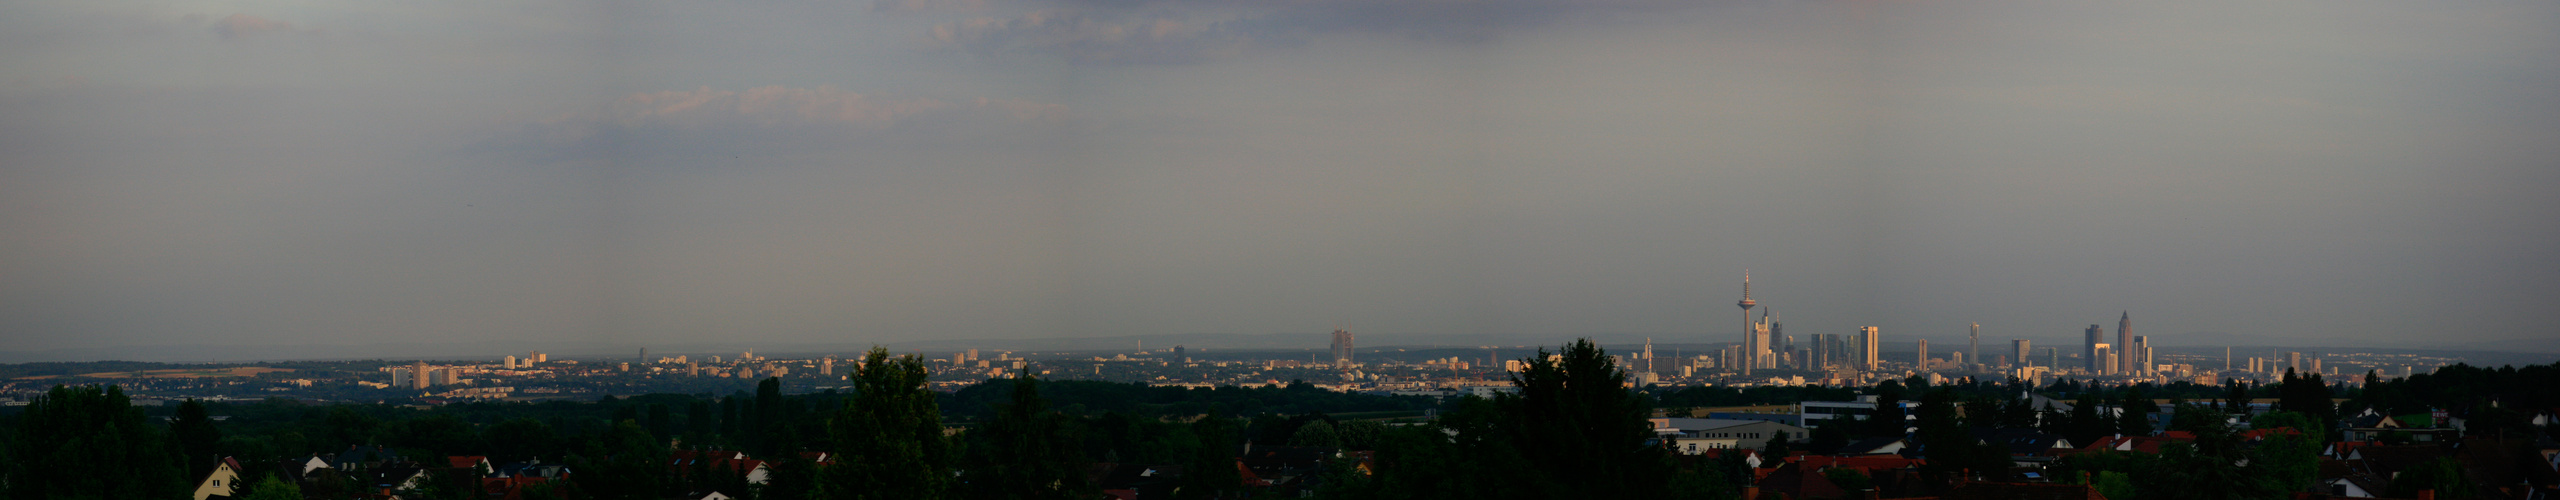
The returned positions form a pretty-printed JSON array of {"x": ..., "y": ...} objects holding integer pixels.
[{"x": 499, "y": 175}]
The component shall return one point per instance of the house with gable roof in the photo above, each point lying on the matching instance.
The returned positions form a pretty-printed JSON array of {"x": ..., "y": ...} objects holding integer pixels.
[{"x": 220, "y": 483}]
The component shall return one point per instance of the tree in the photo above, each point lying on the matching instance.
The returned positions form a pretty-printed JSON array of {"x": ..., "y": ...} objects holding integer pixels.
[
  {"x": 889, "y": 437},
  {"x": 1316, "y": 433},
  {"x": 1026, "y": 452},
  {"x": 197, "y": 437},
  {"x": 2443, "y": 475},
  {"x": 1212, "y": 470},
  {"x": 271, "y": 488},
  {"x": 1360, "y": 434},
  {"x": 2134, "y": 416},
  {"x": 2235, "y": 397},
  {"x": 91, "y": 425},
  {"x": 1574, "y": 420},
  {"x": 622, "y": 462},
  {"x": 661, "y": 422},
  {"x": 1888, "y": 419}
]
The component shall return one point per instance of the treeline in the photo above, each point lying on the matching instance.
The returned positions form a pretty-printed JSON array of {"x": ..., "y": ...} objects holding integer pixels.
[{"x": 1092, "y": 398}]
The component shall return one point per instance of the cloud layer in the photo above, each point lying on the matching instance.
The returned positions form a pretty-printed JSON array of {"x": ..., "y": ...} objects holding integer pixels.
[{"x": 775, "y": 115}]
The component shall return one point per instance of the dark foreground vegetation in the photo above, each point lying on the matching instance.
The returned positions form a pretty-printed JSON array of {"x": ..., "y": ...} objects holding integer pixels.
[{"x": 1573, "y": 429}]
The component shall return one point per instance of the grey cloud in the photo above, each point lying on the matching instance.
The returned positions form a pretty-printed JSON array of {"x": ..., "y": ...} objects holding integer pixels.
[
  {"x": 719, "y": 120},
  {"x": 241, "y": 26},
  {"x": 1177, "y": 32},
  {"x": 1092, "y": 38}
]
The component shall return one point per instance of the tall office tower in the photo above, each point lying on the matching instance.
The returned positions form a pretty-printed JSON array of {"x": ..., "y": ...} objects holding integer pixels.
[
  {"x": 1341, "y": 348},
  {"x": 2053, "y": 358},
  {"x": 1922, "y": 361},
  {"x": 1648, "y": 355},
  {"x": 644, "y": 355},
  {"x": 2107, "y": 354},
  {"x": 2226, "y": 358},
  {"x": 2315, "y": 366},
  {"x": 827, "y": 365},
  {"x": 1765, "y": 356},
  {"x": 2018, "y": 349},
  {"x": 1749, "y": 330},
  {"x": 1776, "y": 333},
  {"x": 973, "y": 354},
  {"x": 2293, "y": 361},
  {"x": 419, "y": 375},
  {"x": 538, "y": 357},
  {"x": 2124, "y": 341},
  {"x": 1867, "y": 342},
  {"x": 2140, "y": 363},
  {"x": 2096, "y": 337},
  {"x": 1814, "y": 354},
  {"x": 1973, "y": 354},
  {"x": 1180, "y": 355},
  {"x": 511, "y": 362}
]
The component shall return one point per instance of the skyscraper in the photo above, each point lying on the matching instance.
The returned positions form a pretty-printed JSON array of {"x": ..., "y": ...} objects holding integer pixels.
[
  {"x": 2096, "y": 337},
  {"x": 1867, "y": 342},
  {"x": 2018, "y": 351},
  {"x": 1973, "y": 354},
  {"x": 418, "y": 376},
  {"x": 1648, "y": 355},
  {"x": 2141, "y": 356},
  {"x": 1750, "y": 349},
  {"x": 1921, "y": 362},
  {"x": 1341, "y": 348},
  {"x": 2124, "y": 340}
]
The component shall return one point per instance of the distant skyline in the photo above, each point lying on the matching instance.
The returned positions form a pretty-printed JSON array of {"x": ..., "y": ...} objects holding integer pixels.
[{"x": 652, "y": 173}]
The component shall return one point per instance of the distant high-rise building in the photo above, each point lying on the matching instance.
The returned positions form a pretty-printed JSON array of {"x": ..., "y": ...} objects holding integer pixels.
[
  {"x": 973, "y": 354},
  {"x": 2124, "y": 340},
  {"x": 1341, "y": 348},
  {"x": 419, "y": 380},
  {"x": 2141, "y": 356},
  {"x": 1179, "y": 355},
  {"x": 2096, "y": 337},
  {"x": 827, "y": 365},
  {"x": 2053, "y": 358},
  {"x": 400, "y": 377},
  {"x": 511, "y": 362},
  {"x": 2107, "y": 354},
  {"x": 1922, "y": 361},
  {"x": 1750, "y": 348},
  {"x": 1648, "y": 355},
  {"x": 644, "y": 355},
  {"x": 1867, "y": 342},
  {"x": 1973, "y": 353},
  {"x": 538, "y": 357},
  {"x": 2018, "y": 349},
  {"x": 2293, "y": 361}
]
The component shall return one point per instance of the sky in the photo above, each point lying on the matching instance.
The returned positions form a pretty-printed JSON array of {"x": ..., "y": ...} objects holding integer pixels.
[{"x": 353, "y": 173}]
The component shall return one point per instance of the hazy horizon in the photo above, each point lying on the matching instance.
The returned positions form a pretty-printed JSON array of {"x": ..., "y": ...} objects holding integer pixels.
[{"x": 604, "y": 172}]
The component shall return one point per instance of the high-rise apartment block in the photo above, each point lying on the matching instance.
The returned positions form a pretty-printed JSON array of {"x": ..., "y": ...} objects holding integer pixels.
[{"x": 2018, "y": 349}]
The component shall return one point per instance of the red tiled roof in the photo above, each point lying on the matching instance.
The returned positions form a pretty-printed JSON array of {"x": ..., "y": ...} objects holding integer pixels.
[{"x": 465, "y": 461}]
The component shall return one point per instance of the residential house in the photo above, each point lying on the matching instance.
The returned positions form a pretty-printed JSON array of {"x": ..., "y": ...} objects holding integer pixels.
[{"x": 224, "y": 480}]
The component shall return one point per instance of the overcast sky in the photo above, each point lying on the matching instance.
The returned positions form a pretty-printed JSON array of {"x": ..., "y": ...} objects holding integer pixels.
[{"x": 360, "y": 172}]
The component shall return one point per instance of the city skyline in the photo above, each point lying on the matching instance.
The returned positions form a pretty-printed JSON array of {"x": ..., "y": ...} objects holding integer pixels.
[{"x": 591, "y": 173}]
